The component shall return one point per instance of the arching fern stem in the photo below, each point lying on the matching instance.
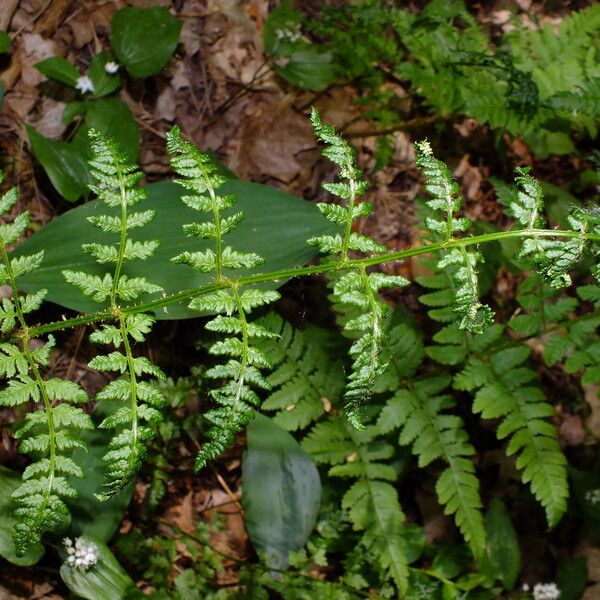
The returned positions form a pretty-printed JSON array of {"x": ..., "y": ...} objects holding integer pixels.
[{"x": 274, "y": 276}]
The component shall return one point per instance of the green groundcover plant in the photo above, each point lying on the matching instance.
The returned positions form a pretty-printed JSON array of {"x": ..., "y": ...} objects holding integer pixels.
[{"x": 401, "y": 392}]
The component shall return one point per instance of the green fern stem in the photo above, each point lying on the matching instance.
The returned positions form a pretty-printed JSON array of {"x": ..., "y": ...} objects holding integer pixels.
[
  {"x": 275, "y": 276},
  {"x": 245, "y": 343},
  {"x": 377, "y": 332},
  {"x": 218, "y": 232},
  {"x": 132, "y": 377},
  {"x": 350, "y": 212},
  {"x": 122, "y": 242},
  {"x": 25, "y": 335}
]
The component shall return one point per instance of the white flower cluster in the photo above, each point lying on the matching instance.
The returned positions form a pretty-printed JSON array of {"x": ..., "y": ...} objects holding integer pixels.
[
  {"x": 546, "y": 591},
  {"x": 111, "y": 67},
  {"x": 82, "y": 555},
  {"x": 292, "y": 32},
  {"x": 593, "y": 496},
  {"x": 84, "y": 84}
]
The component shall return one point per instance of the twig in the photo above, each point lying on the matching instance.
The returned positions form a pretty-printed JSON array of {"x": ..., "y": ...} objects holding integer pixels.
[{"x": 402, "y": 126}]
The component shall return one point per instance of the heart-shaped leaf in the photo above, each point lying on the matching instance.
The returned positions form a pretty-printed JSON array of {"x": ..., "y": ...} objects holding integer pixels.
[
  {"x": 276, "y": 225},
  {"x": 144, "y": 39},
  {"x": 281, "y": 492}
]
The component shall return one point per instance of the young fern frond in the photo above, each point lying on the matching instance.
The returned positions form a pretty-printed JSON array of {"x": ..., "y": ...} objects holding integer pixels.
[
  {"x": 48, "y": 434},
  {"x": 354, "y": 288},
  {"x": 115, "y": 183},
  {"x": 443, "y": 225},
  {"x": 371, "y": 501},
  {"x": 241, "y": 372},
  {"x": 552, "y": 258},
  {"x": 505, "y": 389}
]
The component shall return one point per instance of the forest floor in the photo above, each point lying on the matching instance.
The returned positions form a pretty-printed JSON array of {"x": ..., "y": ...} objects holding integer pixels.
[{"x": 220, "y": 89}]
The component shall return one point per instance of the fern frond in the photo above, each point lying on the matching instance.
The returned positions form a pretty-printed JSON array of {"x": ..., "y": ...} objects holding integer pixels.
[
  {"x": 354, "y": 289},
  {"x": 305, "y": 380},
  {"x": 115, "y": 181},
  {"x": 553, "y": 259},
  {"x": 505, "y": 389},
  {"x": 236, "y": 398},
  {"x": 460, "y": 264},
  {"x": 49, "y": 433},
  {"x": 371, "y": 502},
  {"x": 420, "y": 412}
]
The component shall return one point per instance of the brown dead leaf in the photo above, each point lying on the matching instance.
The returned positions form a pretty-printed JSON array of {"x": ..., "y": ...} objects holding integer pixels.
[
  {"x": 31, "y": 49},
  {"x": 182, "y": 515},
  {"x": 571, "y": 430},
  {"x": 592, "y": 593},
  {"x": 269, "y": 141},
  {"x": 591, "y": 393},
  {"x": 592, "y": 557}
]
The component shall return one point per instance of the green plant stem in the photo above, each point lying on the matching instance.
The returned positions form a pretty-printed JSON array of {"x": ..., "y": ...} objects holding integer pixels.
[
  {"x": 284, "y": 274},
  {"x": 25, "y": 335},
  {"x": 132, "y": 378},
  {"x": 122, "y": 243},
  {"x": 350, "y": 220},
  {"x": 244, "y": 357}
]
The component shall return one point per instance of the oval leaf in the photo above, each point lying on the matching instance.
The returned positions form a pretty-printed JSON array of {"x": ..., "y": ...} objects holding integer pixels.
[
  {"x": 260, "y": 231},
  {"x": 59, "y": 69},
  {"x": 281, "y": 492},
  {"x": 64, "y": 164},
  {"x": 144, "y": 39}
]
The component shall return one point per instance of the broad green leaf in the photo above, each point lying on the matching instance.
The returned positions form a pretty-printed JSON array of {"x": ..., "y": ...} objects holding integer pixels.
[
  {"x": 503, "y": 559},
  {"x": 4, "y": 42},
  {"x": 281, "y": 492},
  {"x": 89, "y": 516},
  {"x": 63, "y": 162},
  {"x": 260, "y": 231},
  {"x": 104, "y": 83},
  {"x": 144, "y": 39},
  {"x": 295, "y": 59},
  {"x": 309, "y": 67},
  {"x": 59, "y": 69},
  {"x": 106, "y": 580},
  {"x": 113, "y": 119},
  {"x": 9, "y": 482}
]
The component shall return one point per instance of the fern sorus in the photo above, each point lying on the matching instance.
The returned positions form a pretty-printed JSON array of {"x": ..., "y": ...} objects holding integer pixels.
[
  {"x": 306, "y": 379},
  {"x": 371, "y": 501},
  {"x": 506, "y": 389},
  {"x": 241, "y": 372},
  {"x": 354, "y": 288},
  {"x": 50, "y": 432},
  {"x": 115, "y": 183}
]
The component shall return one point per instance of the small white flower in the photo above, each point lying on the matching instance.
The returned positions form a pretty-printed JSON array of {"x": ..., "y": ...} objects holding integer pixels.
[
  {"x": 525, "y": 587},
  {"x": 291, "y": 32},
  {"x": 593, "y": 496},
  {"x": 82, "y": 555},
  {"x": 111, "y": 67},
  {"x": 546, "y": 591},
  {"x": 84, "y": 84}
]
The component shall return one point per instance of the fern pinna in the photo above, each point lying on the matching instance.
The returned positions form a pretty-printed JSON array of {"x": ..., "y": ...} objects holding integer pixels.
[
  {"x": 50, "y": 432},
  {"x": 355, "y": 292},
  {"x": 236, "y": 398},
  {"x": 116, "y": 185}
]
